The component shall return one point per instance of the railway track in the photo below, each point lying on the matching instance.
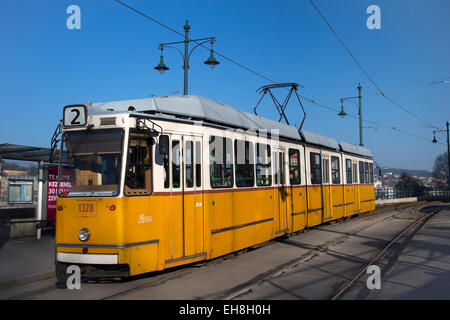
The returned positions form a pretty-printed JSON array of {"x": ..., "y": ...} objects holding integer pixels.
[
  {"x": 122, "y": 289},
  {"x": 418, "y": 222},
  {"x": 411, "y": 229}
]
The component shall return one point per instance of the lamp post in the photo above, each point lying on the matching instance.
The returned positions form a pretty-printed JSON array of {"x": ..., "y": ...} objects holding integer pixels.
[
  {"x": 448, "y": 153},
  {"x": 212, "y": 62},
  {"x": 342, "y": 113}
]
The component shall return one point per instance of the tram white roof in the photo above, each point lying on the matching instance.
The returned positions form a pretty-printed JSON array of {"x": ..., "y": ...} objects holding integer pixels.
[
  {"x": 200, "y": 108},
  {"x": 315, "y": 138},
  {"x": 356, "y": 149}
]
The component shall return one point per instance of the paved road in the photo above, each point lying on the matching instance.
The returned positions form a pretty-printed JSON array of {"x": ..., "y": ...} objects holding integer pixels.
[
  {"x": 421, "y": 269},
  {"x": 310, "y": 265},
  {"x": 26, "y": 256}
]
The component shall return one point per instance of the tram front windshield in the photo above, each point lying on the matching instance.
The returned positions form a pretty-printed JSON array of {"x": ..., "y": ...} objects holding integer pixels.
[{"x": 95, "y": 157}]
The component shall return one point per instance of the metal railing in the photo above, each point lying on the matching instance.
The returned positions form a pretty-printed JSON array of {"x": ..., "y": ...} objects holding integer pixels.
[{"x": 395, "y": 193}]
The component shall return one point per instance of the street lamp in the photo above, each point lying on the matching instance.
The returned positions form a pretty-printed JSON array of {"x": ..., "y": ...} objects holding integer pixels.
[
  {"x": 342, "y": 113},
  {"x": 161, "y": 67},
  {"x": 212, "y": 62},
  {"x": 448, "y": 152}
]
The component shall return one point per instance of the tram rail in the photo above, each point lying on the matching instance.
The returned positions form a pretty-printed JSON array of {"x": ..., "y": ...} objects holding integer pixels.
[{"x": 134, "y": 285}]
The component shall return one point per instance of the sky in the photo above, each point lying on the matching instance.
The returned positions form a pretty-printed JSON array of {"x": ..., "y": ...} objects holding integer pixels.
[{"x": 45, "y": 66}]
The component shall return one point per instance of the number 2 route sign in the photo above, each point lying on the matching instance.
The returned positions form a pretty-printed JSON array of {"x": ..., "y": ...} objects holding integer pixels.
[{"x": 75, "y": 116}]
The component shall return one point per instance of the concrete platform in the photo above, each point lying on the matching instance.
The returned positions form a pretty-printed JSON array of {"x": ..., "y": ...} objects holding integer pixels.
[
  {"x": 24, "y": 260},
  {"x": 422, "y": 269}
]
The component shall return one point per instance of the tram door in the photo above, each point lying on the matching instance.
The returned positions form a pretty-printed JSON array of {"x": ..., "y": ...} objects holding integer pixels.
[
  {"x": 193, "y": 196},
  {"x": 280, "y": 190},
  {"x": 186, "y": 197}
]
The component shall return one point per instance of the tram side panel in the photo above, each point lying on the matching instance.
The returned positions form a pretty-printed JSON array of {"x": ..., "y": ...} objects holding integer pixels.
[
  {"x": 297, "y": 200},
  {"x": 238, "y": 218},
  {"x": 351, "y": 203},
  {"x": 367, "y": 192},
  {"x": 337, "y": 186},
  {"x": 143, "y": 223},
  {"x": 313, "y": 160}
]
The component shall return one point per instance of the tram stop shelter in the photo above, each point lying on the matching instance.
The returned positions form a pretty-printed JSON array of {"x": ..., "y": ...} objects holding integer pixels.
[{"x": 24, "y": 200}]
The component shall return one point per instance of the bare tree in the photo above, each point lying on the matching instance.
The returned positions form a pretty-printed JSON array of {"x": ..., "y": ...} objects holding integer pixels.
[
  {"x": 440, "y": 168},
  {"x": 408, "y": 185}
]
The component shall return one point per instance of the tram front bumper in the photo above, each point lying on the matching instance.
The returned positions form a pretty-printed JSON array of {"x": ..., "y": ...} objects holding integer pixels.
[{"x": 87, "y": 258}]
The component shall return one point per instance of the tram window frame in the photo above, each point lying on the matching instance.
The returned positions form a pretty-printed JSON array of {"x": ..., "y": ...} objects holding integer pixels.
[
  {"x": 244, "y": 165},
  {"x": 316, "y": 171},
  {"x": 294, "y": 169},
  {"x": 348, "y": 171},
  {"x": 355, "y": 172},
  {"x": 198, "y": 164},
  {"x": 263, "y": 173},
  {"x": 225, "y": 167},
  {"x": 366, "y": 172},
  {"x": 281, "y": 168},
  {"x": 138, "y": 166},
  {"x": 176, "y": 163},
  {"x": 325, "y": 170},
  {"x": 189, "y": 164},
  {"x": 278, "y": 168},
  {"x": 87, "y": 143},
  {"x": 335, "y": 172},
  {"x": 361, "y": 172},
  {"x": 166, "y": 167},
  {"x": 371, "y": 180}
]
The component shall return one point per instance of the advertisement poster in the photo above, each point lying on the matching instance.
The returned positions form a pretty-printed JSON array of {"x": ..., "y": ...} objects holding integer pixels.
[
  {"x": 65, "y": 185},
  {"x": 20, "y": 191}
]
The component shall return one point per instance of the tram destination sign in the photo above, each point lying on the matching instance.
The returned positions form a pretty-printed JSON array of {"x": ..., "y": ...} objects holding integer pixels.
[{"x": 75, "y": 116}]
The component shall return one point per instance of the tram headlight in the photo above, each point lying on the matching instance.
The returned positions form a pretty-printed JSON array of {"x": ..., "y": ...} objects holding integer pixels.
[{"x": 84, "y": 234}]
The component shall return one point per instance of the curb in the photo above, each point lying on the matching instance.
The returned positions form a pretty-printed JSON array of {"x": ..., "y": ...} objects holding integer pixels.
[{"x": 26, "y": 279}]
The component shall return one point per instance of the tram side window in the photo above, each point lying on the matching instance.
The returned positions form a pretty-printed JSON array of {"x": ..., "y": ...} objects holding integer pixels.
[
  {"x": 370, "y": 172},
  {"x": 175, "y": 163},
  {"x": 335, "y": 171},
  {"x": 138, "y": 178},
  {"x": 166, "y": 164},
  {"x": 294, "y": 167},
  {"x": 361, "y": 172},
  {"x": 198, "y": 164},
  {"x": 355, "y": 172},
  {"x": 316, "y": 169},
  {"x": 189, "y": 164},
  {"x": 348, "y": 169},
  {"x": 366, "y": 172},
  {"x": 221, "y": 162},
  {"x": 245, "y": 164},
  {"x": 326, "y": 170},
  {"x": 263, "y": 164}
]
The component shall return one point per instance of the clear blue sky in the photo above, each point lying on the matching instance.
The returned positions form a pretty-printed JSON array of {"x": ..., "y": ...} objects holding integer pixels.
[{"x": 44, "y": 66}]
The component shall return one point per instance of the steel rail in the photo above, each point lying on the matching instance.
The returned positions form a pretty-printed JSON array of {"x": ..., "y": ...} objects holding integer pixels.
[{"x": 363, "y": 270}]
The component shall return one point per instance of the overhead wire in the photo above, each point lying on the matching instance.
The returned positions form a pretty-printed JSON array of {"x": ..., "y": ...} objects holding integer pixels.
[
  {"x": 364, "y": 71},
  {"x": 313, "y": 101}
]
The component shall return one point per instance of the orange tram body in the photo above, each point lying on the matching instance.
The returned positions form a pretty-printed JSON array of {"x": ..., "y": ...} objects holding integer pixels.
[{"x": 156, "y": 183}]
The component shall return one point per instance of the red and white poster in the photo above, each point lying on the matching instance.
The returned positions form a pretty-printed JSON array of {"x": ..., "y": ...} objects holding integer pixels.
[{"x": 64, "y": 186}]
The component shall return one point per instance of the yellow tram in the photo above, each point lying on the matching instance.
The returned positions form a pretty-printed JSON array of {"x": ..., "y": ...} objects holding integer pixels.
[{"x": 165, "y": 181}]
